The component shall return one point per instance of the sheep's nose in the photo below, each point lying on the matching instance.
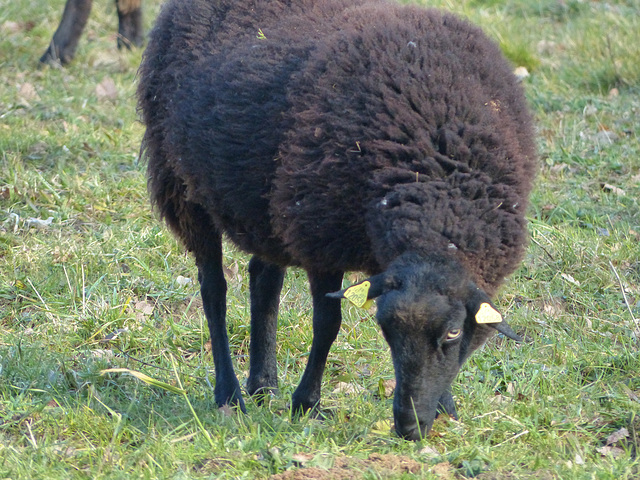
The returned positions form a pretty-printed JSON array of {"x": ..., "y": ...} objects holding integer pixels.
[{"x": 409, "y": 426}]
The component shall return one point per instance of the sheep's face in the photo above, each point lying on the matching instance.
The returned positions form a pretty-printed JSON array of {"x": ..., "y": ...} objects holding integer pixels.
[
  {"x": 428, "y": 311},
  {"x": 430, "y": 336}
]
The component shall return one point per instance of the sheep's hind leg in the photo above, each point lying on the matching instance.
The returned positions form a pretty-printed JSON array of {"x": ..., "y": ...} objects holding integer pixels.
[
  {"x": 265, "y": 284},
  {"x": 213, "y": 288},
  {"x": 326, "y": 324}
]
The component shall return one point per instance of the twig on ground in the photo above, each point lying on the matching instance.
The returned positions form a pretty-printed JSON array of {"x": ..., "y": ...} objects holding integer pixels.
[{"x": 626, "y": 301}]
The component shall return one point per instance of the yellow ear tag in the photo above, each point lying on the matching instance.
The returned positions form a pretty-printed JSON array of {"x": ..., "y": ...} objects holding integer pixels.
[
  {"x": 357, "y": 294},
  {"x": 488, "y": 314}
]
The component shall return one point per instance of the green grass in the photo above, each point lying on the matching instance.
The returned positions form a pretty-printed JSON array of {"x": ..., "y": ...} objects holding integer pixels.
[{"x": 96, "y": 288}]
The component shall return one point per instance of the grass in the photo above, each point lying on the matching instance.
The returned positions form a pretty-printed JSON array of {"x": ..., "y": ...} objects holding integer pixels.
[{"x": 97, "y": 288}]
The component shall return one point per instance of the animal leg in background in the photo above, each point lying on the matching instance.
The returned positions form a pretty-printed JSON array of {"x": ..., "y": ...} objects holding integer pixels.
[
  {"x": 326, "y": 324},
  {"x": 265, "y": 285},
  {"x": 74, "y": 18},
  {"x": 213, "y": 288},
  {"x": 65, "y": 41},
  {"x": 129, "y": 23}
]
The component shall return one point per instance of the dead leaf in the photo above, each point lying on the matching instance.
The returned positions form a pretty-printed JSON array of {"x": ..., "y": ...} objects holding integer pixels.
[
  {"x": 114, "y": 335},
  {"x": 552, "y": 310},
  {"x": 440, "y": 424},
  {"x": 612, "y": 189},
  {"x": 387, "y": 387},
  {"x": 38, "y": 223},
  {"x": 393, "y": 463},
  {"x": 106, "y": 89},
  {"x": 521, "y": 73},
  {"x": 28, "y": 92},
  {"x": 545, "y": 47},
  {"x": 86, "y": 147},
  {"x": 355, "y": 277},
  {"x": 226, "y": 410},
  {"x": 301, "y": 458},
  {"x": 347, "y": 388},
  {"x": 11, "y": 27},
  {"x": 429, "y": 451},
  {"x": 143, "y": 308},
  {"x": 557, "y": 169},
  {"x": 38, "y": 150},
  {"x": 615, "y": 437},
  {"x": 102, "y": 354},
  {"x": 590, "y": 110},
  {"x": 106, "y": 58},
  {"x": 382, "y": 427},
  {"x": 605, "y": 136},
  {"x": 632, "y": 395},
  {"x": 442, "y": 470},
  {"x": 615, "y": 452},
  {"x": 570, "y": 279},
  {"x": 231, "y": 272},
  {"x": 182, "y": 281}
]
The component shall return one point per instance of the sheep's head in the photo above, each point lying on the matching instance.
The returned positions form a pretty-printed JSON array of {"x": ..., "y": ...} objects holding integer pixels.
[{"x": 433, "y": 317}]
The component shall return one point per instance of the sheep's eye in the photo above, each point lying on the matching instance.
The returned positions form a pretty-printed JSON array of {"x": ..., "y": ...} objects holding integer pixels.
[{"x": 453, "y": 334}]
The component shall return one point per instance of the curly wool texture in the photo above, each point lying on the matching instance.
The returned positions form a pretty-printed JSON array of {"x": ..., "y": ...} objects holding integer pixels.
[{"x": 337, "y": 135}]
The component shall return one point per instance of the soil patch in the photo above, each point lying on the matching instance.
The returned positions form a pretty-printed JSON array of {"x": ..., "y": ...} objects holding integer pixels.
[{"x": 346, "y": 468}]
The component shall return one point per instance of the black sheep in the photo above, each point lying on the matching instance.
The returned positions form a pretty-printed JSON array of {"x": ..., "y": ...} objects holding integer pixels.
[
  {"x": 342, "y": 135},
  {"x": 74, "y": 18}
]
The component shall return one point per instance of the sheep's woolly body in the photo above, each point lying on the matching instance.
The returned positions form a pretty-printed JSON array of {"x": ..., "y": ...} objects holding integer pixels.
[
  {"x": 336, "y": 134},
  {"x": 341, "y": 135}
]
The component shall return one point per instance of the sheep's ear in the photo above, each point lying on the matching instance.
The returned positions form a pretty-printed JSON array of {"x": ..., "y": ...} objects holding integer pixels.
[
  {"x": 485, "y": 312},
  {"x": 362, "y": 294}
]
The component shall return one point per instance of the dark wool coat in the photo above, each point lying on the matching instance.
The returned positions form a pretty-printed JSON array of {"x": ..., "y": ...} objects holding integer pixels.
[{"x": 336, "y": 135}]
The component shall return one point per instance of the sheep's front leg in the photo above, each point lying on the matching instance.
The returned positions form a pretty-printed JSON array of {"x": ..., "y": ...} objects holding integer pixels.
[
  {"x": 326, "y": 324},
  {"x": 129, "y": 23},
  {"x": 213, "y": 288},
  {"x": 65, "y": 41},
  {"x": 265, "y": 284}
]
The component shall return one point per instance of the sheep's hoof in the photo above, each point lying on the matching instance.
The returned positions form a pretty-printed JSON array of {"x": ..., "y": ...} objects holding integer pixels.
[
  {"x": 314, "y": 412},
  {"x": 234, "y": 407},
  {"x": 263, "y": 394},
  {"x": 232, "y": 401},
  {"x": 322, "y": 413}
]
